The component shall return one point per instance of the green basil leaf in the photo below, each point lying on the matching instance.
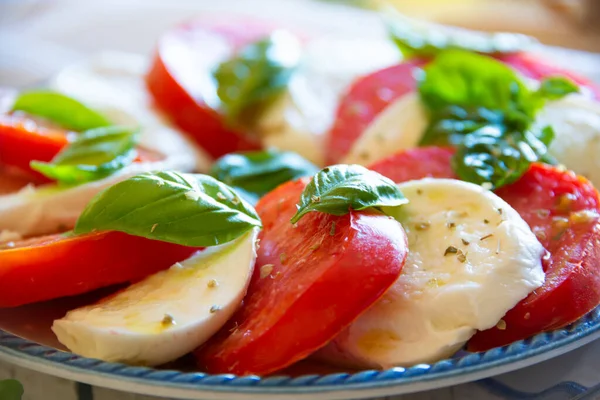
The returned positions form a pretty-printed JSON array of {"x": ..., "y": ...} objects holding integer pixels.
[
  {"x": 339, "y": 188},
  {"x": 486, "y": 157},
  {"x": 556, "y": 87},
  {"x": 187, "y": 209},
  {"x": 60, "y": 109},
  {"x": 460, "y": 78},
  {"x": 256, "y": 75},
  {"x": 94, "y": 154},
  {"x": 259, "y": 172},
  {"x": 417, "y": 38},
  {"x": 11, "y": 389}
]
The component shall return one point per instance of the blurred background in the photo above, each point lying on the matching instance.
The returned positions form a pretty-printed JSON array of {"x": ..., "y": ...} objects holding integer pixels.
[{"x": 38, "y": 37}]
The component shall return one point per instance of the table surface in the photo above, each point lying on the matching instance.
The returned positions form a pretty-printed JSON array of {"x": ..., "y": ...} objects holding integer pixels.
[{"x": 37, "y": 40}]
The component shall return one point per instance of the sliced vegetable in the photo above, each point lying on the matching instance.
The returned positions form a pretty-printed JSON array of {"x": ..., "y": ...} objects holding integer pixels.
[
  {"x": 417, "y": 163},
  {"x": 310, "y": 281},
  {"x": 482, "y": 106},
  {"x": 181, "y": 83},
  {"x": 365, "y": 99},
  {"x": 256, "y": 75},
  {"x": 60, "y": 109},
  {"x": 563, "y": 210},
  {"x": 22, "y": 141},
  {"x": 93, "y": 155},
  {"x": 187, "y": 209},
  {"x": 256, "y": 173},
  {"x": 416, "y": 38},
  {"x": 55, "y": 266},
  {"x": 341, "y": 188}
]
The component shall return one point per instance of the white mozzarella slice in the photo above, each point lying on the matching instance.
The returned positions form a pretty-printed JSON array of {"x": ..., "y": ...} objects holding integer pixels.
[
  {"x": 41, "y": 210},
  {"x": 398, "y": 127},
  {"x": 299, "y": 120},
  {"x": 472, "y": 258},
  {"x": 576, "y": 123},
  {"x": 113, "y": 83},
  {"x": 166, "y": 315}
]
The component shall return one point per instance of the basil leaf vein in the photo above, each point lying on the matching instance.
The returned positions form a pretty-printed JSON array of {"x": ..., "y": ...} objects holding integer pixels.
[
  {"x": 60, "y": 109},
  {"x": 187, "y": 209},
  {"x": 93, "y": 155},
  {"x": 256, "y": 173},
  {"x": 250, "y": 80},
  {"x": 339, "y": 188}
]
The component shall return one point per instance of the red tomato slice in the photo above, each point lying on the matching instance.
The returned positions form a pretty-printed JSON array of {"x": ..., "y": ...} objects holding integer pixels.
[
  {"x": 310, "y": 281},
  {"x": 180, "y": 82},
  {"x": 22, "y": 141},
  {"x": 55, "y": 266},
  {"x": 562, "y": 210},
  {"x": 534, "y": 67},
  {"x": 417, "y": 163},
  {"x": 365, "y": 99}
]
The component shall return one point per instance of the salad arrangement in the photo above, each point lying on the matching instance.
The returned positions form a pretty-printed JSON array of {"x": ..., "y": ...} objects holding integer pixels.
[{"x": 260, "y": 196}]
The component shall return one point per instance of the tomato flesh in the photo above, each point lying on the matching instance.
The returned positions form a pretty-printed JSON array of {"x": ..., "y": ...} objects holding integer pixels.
[
  {"x": 22, "y": 140},
  {"x": 55, "y": 266},
  {"x": 417, "y": 163},
  {"x": 310, "y": 281},
  {"x": 365, "y": 99},
  {"x": 534, "y": 67},
  {"x": 180, "y": 82},
  {"x": 563, "y": 211}
]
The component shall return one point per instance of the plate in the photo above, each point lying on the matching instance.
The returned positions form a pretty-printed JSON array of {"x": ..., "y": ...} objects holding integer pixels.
[
  {"x": 66, "y": 34},
  {"x": 32, "y": 345}
]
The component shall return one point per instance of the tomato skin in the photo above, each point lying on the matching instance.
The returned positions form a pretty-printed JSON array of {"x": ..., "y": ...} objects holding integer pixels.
[
  {"x": 181, "y": 96},
  {"x": 363, "y": 101},
  {"x": 417, "y": 163},
  {"x": 22, "y": 141},
  {"x": 535, "y": 67},
  {"x": 55, "y": 266},
  {"x": 572, "y": 286},
  {"x": 321, "y": 279}
]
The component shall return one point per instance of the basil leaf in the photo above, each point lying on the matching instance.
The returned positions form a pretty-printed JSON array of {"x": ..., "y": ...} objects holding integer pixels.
[
  {"x": 556, "y": 87},
  {"x": 11, "y": 389},
  {"x": 256, "y": 75},
  {"x": 63, "y": 110},
  {"x": 423, "y": 39},
  {"x": 95, "y": 154},
  {"x": 259, "y": 172},
  {"x": 187, "y": 209},
  {"x": 482, "y": 107},
  {"x": 339, "y": 188}
]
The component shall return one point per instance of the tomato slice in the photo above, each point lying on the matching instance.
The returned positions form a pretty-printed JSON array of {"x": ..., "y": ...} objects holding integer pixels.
[
  {"x": 310, "y": 281},
  {"x": 417, "y": 163},
  {"x": 534, "y": 67},
  {"x": 55, "y": 266},
  {"x": 563, "y": 211},
  {"x": 365, "y": 99},
  {"x": 181, "y": 85},
  {"x": 22, "y": 140}
]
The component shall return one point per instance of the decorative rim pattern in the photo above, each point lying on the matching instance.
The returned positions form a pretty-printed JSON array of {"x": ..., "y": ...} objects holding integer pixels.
[{"x": 587, "y": 327}]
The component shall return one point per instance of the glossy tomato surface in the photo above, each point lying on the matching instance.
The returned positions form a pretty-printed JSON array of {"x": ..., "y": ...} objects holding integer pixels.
[
  {"x": 55, "y": 266},
  {"x": 311, "y": 280}
]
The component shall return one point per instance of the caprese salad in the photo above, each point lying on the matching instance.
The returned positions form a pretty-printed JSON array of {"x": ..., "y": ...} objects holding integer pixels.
[{"x": 262, "y": 196}]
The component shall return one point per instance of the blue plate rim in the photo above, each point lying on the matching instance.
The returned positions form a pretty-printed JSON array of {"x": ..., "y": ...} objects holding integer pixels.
[{"x": 582, "y": 331}]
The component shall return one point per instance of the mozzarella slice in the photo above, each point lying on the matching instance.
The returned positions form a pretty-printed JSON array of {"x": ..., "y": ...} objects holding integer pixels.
[
  {"x": 576, "y": 123},
  {"x": 166, "y": 315},
  {"x": 113, "y": 83},
  {"x": 299, "y": 120},
  {"x": 472, "y": 258},
  {"x": 398, "y": 127}
]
